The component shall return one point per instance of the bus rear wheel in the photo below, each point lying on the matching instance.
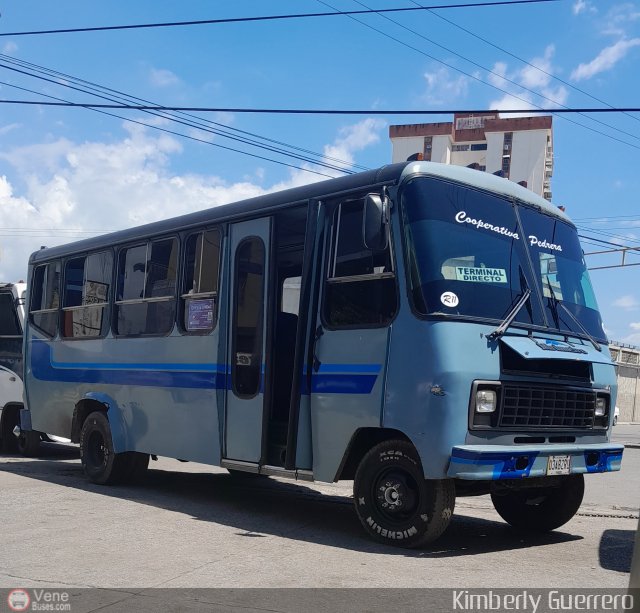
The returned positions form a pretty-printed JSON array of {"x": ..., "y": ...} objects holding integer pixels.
[
  {"x": 100, "y": 462},
  {"x": 394, "y": 502},
  {"x": 540, "y": 509}
]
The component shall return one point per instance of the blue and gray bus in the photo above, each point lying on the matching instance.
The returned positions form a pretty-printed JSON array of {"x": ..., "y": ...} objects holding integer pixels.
[{"x": 425, "y": 330}]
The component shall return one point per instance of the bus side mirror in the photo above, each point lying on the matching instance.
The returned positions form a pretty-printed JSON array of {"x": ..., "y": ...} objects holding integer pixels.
[{"x": 375, "y": 219}]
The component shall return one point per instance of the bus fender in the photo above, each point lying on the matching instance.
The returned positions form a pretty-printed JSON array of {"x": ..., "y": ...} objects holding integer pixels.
[{"x": 114, "y": 415}]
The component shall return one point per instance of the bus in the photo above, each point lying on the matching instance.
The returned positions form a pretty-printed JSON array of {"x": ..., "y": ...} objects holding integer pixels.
[
  {"x": 425, "y": 330},
  {"x": 12, "y": 308}
]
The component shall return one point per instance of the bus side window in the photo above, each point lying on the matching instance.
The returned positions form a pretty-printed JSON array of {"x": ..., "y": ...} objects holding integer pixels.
[
  {"x": 360, "y": 289},
  {"x": 199, "y": 297},
  {"x": 146, "y": 291},
  {"x": 87, "y": 281},
  {"x": 45, "y": 298}
]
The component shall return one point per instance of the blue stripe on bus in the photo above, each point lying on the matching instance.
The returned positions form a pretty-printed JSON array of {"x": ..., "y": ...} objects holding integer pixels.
[{"x": 330, "y": 379}]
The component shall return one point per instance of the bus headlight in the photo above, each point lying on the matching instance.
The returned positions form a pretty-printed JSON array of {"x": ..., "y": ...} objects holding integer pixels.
[
  {"x": 601, "y": 406},
  {"x": 486, "y": 401}
]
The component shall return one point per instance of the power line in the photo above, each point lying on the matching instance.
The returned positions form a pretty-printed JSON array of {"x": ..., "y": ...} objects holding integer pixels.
[
  {"x": 619, "y": 237},
  {"x": 476, "y": 64},
  {"x": 193, "y": 138},
  {"x": 223, "y": 130},
  {"x": 615, "y": 217},
  {"x": 513, "y": 55},
  {"x": 477, "y": 78},
  {"x": 191, "y": 124},
  {"x": 201, "y": 22},
  {"x": 293, "y": 111}
]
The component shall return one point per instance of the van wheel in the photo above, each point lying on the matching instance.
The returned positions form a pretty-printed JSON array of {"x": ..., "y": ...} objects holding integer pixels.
[
  {"x": 29, "y": 443},
  {"x": 100, "y": 462},
  {"x": 394, "y": 502},
  {"x": 540, "y": 509}
]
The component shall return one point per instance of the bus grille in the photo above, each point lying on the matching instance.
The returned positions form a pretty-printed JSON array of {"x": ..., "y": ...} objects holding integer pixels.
[{"x": 526, "y": 406}]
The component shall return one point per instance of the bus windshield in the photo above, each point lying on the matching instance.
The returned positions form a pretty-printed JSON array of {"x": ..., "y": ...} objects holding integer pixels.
[{"x": 467, "y": 257}]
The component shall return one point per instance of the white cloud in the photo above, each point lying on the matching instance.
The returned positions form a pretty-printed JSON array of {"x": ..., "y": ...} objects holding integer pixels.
[
  {"x": 352, "y": 139},
  {"x": 583, "y": 6},
  {"x": 617, "y": 21},
  {"x": 9, "y": 128},
  {"x": 605, "y": 60},
  {"x": 579, "y": 6},
  {"x": 443, "y": 88},
  {"x": 99, "y": 187},
  {"x": 9, "y": 48},
  {"x": 632, "y": 339},
  {"x": 635, "y": 326},
  {"x": 536, "y": 77},
  {"x": 160, "y": 77},
  {"x": 628, "y": 303}
]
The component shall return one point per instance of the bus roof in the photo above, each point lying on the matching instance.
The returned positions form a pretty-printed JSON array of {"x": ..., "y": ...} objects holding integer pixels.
[
  {"x": 386, "y": 175},
  {"x": 485, "y": 181}
]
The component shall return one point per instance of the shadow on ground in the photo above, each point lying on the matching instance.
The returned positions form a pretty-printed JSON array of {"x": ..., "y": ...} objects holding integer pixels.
[{"x": 259, "y": 506}]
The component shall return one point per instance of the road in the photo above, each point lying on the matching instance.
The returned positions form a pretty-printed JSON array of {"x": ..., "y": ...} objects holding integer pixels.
[
  {"x": 193, "y": 526},
  {"x": 627, "y": 434}
]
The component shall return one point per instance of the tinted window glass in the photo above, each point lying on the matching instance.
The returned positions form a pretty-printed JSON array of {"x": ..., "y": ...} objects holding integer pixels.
[
  {"x": 559, "y": 264},
  {"x": 247, "y": 317},
  {"x": 73, "y": 282},
  {"x": 200, "y": 290},
  {"x": 465, "y": 253},
  {"x": 9, "y": 322},
  {"x": 146, "y": 288},
  {"x": 86, "y": 293},
  {"x": 361, "y": 288},
  {"x": 351, "y": 257},
  {"x": 132, "y": 266},
  {"x": 45, "y": 297},
  {"x": 162, "y": 269}
]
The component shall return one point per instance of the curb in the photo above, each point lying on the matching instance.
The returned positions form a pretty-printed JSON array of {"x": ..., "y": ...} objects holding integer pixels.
[{"x": 632, "y": 446}]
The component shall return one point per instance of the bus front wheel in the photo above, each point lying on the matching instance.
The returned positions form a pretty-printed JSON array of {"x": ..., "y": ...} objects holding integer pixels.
[
  {"x": 99, "y": 460},
  {"x": 540, "y": 509},
  {"x": 394, "y": 502}
]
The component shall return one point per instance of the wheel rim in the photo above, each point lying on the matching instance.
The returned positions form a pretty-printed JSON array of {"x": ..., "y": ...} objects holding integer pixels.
[
  {"x": 96, "y": 449},
  {"x": 396, "y": 495}
]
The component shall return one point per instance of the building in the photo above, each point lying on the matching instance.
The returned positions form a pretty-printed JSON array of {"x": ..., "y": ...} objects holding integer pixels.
[
  {"x": 627, "y": 359},
  {"x": 520, "y": 149}
]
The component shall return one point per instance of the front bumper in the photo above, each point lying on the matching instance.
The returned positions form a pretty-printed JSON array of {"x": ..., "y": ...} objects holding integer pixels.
[{"x": 496, "y": 462}]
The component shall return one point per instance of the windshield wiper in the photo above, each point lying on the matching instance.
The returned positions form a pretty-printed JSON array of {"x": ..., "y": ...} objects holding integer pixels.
[
  {"x": 502, "y": 328},
  {"x": 556, "y": 302}
]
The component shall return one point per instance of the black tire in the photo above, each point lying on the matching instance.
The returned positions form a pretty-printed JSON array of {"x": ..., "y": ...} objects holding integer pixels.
[
  {"x": 540, "y": 509},
  {"x": 615, "y": 420},
  {"x": 394, "y": 502},
  {"x": 100, "y": 462},
  {"x": 29, "y": 443},
  {"x": 8, "y": 440}
]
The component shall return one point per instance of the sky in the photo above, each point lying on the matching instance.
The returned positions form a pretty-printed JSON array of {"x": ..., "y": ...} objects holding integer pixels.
[{"x": 70, "y": 173}]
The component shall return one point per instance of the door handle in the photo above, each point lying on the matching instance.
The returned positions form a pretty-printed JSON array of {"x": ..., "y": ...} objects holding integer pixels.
[{"x": 316, "y": 362}]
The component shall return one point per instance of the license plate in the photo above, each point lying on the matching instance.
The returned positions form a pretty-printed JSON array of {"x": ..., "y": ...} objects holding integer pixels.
[{"x": 559, "y": 465}]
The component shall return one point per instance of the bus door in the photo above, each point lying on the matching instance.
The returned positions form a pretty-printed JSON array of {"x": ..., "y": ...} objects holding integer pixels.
[
  {"x": 352, "y": 332},
  {"x": 249, "y": 273}
]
